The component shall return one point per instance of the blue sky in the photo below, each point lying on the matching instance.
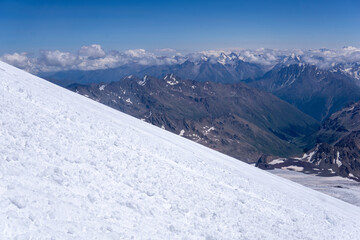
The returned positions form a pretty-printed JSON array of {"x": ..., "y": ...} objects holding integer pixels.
[{"x": 184, "y": 25}]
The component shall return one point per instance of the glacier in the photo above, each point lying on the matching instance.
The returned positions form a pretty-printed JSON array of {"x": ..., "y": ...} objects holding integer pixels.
[{"x": 72, "y": 168}]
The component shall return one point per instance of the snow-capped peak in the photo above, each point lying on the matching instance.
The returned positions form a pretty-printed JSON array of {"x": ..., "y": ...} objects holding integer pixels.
[
  {"x": 227, "y": 58},
  {"x": 350, "y": 69},
  {"x": 292, "y": 59}
]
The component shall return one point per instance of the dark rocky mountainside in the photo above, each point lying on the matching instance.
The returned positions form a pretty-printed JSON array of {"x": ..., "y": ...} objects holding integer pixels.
[
  {"x": 316, "y": 92},
  {"x": 337, "y": 150},
  {"x": 339, "y": 142},
  {"x": 232, "y": 118},
  {"x": 340, "y": 124}
]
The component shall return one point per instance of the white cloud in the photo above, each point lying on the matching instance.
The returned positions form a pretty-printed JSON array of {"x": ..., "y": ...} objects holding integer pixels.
[
  {"x": 137, "y": 53},
  {"x": 93, "y": 57},
  {"x": 92, "y": 51},
  {"x": 166, "y": 50},
  {"x": 58, "y": 59},
  {"x": 110, "y": 60},
  {"x": 19, "y": 60}
]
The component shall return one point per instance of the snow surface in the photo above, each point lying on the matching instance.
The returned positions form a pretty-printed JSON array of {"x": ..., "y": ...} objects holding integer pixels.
[
  {"x": 293, "y": 168},
  {"x": 276, "y": 161},
  {"x": 71, "y": 168},
  {"x": 342, "y": 188}
]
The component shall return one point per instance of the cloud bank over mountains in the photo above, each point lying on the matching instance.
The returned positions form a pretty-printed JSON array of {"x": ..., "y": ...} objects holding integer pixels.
[{"x": 94, "y": 57}]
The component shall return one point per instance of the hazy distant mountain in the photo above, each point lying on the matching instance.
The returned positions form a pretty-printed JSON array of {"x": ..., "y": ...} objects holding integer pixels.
[
  {"x": 350, "y": 69},
  {"x": 316, "y": 92},
  {"x": 233, "y": 118},
  {"x": 221, "y": 71},
  {"x": 65, "y": 78},
  {"x": 225, "y": 69}
]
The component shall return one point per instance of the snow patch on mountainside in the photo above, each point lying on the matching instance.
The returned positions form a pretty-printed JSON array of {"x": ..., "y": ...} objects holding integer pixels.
[
  {"x": 171, "y": 80},
  {"x": 143, "y": 82},
  {"x": 71, "y": 168},
  {"x": 102, "y": 87}
]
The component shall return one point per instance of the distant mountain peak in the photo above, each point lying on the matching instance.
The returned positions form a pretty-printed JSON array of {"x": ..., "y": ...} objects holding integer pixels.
[
  {"x": 228, "y": 58},
  {"x": 315, "y": 91},
  {"x": 288, "y": 61},
  {"x": 351, "y": 69},
  {"x": 292, "y": 59}
]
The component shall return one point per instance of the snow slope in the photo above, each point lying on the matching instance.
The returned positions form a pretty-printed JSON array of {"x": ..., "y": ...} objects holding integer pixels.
[{"x": 71, "y": 168}]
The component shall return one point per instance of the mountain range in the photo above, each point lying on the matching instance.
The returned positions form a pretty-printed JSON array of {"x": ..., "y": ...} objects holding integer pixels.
[
  {"x": 228, "y": 69},
  {"x": 220, "y": 108},
  {"x": 314, "y": 91},
  {"x": 235, "y": 119},
  {"x": 217, "y": 66}
]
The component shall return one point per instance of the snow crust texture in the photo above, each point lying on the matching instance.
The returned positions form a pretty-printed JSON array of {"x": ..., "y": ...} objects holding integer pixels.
[{"x": 71, "y": 168}]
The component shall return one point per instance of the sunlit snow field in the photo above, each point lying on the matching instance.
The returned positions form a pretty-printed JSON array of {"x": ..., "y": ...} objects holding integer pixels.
[{"x": 342, "y": 188}]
